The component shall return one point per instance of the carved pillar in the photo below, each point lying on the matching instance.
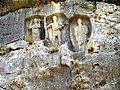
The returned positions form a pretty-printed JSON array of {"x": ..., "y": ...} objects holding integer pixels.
[{"x": 45, "y": 26}]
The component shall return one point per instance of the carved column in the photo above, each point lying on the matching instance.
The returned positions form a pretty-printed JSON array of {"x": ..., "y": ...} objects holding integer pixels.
[{"x": 45, "y": 26}]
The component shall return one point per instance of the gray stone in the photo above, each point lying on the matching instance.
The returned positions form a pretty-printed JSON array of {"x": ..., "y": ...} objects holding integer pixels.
[
  {"x": 14, "y": 61},
  {"x": 66, "y": 54},
  {"x": 35, "y": 62},
  {"x": 18, "y": 44},
  {"x": 117, "y": 26},
  {"x": 12, "y": 27}
]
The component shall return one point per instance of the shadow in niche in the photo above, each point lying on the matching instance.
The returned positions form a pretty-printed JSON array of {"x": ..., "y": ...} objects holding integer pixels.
[
  {"x": 73, "y": 23},
  {"x": 28, "y": 36}
]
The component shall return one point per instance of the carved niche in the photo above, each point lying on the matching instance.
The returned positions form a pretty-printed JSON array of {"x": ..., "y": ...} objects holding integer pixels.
[
  {"x": 74, "y": 24},
  {"x": 57, "y": 28},
  {"x": 34, "y": 28}
]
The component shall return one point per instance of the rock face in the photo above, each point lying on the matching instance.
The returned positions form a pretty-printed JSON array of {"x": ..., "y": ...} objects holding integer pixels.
[
  {"x": 13, "y": 26},
  {"x": 30, "y": 64},
  {"x": 37, "y": 67}
]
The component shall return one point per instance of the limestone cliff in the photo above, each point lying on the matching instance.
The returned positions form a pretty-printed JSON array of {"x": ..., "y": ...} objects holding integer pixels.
[{"x": 45, "y": 66}]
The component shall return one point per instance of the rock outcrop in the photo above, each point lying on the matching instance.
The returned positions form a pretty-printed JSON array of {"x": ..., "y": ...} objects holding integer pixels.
[{"x": 38, "y": 67}]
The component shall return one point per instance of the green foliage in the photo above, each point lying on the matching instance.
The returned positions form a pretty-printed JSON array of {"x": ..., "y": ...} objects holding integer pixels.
[
  {"x": 86, "y": 6},
  {"x": 118, "y": 81},
  {"x": 31, "y": 2},
  {"x": 52, "y": 47},
  {"x": 109, "y": 31},
  {"x": 3, "y": 50},
  {"x": 113, "y": 1},
  {"x": 28, "y": 38}
]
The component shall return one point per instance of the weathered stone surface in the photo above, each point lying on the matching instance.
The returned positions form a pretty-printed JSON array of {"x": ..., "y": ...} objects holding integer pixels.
[
  {"x": 66, "y": 55},
  {"x": 32, "y": 67},
  {"x": 11, "y": 27},
  {"x": 18, "y": 44},
  {"x": 117, "y": 26},
  {"x": 34, "y": 63}
]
